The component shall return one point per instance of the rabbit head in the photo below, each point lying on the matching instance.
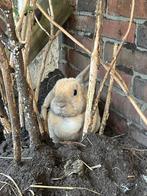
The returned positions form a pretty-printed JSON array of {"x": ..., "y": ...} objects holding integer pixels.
[{"x": 69, "y": 97}]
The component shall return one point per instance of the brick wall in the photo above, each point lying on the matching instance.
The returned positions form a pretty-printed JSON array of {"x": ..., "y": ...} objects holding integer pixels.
[{"x": 131, "y": 64}]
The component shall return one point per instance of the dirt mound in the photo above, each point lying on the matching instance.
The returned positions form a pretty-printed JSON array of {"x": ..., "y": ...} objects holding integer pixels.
[{"x": 109, "y": 166}]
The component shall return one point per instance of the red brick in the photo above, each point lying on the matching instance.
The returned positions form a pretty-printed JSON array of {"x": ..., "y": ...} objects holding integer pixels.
[
  {"x": 117, "y": 123},
  {"x": 81, "y": 23},
  {"x": 142, "y": 36},
  {"x": 126, "y": 77},
  {"x": 140, "y": 88},
  {"x": 143, "y": 124},
  {"x": 68, "y": 70},
  {"x": 86, "y": 41},
  {"x": 122, "y": 58},
  {"x": 137, "y": 60},
  {"x": 87, "y": 5},
  {"x": 77, "y": 59},
  {"x": 140, "y": 135},
  {"x": 121, "y": 105},
  {"x": 117, "y": 29},
  {"x": 123, "y": 8},
  {"x": 101, "y": 73}
]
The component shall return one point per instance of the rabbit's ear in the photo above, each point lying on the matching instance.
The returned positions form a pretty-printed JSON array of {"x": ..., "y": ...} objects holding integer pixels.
[
  {"x": 46, "y": 103},
  {"x": 83, "y": 77}
]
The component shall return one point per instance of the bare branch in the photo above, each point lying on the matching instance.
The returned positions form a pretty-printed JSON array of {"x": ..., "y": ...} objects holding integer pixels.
[
  {"x": 95, "y": 61},
  {"x": 14, "y": 118},
  {"x": 22, "y": 85}
]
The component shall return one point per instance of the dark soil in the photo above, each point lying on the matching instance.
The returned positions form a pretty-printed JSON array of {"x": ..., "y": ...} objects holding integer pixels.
[{"x": 122, "y": 168}]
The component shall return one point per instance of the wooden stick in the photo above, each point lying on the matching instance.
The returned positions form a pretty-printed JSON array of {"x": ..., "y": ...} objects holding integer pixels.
[
  {"x": 116, "y": 75},
  {"x": 95, "y": 61},
  {"x": 108, "y": 99}
]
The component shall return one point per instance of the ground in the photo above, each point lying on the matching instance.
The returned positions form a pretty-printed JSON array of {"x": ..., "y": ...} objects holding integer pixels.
[{"x": 120, "y": 162}]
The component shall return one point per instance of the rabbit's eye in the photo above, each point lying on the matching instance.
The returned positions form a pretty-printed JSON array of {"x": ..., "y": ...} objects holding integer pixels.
[{"x": 75, "y": 92}]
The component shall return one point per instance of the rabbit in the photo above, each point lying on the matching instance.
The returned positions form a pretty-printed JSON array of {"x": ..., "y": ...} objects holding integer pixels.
[{"x": 67, "y": 105}]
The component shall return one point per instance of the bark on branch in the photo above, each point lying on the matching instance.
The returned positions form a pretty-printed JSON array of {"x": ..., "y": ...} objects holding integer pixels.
[
  {"x": 14, "y": 118},
  {"x": 22, "y": 85}
]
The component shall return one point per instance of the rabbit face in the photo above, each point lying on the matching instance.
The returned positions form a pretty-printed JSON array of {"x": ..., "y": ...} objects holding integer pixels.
[{"x": 69, "y": 98}]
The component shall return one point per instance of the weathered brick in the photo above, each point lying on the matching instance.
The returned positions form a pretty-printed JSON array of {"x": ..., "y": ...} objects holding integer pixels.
[
  {"x": 81, "y": 23},
  {"x": 140, "y": 135},
  {"x": 140, "y": 88},
  {"x": 117, "y": 29},
  {"x": 142, "y": 36},
  {"x": 101, "y": 73},
  {"x": 121, "y": 105},
  {"x": 143, "y": 124},
  {"x": 117, "y": 123},
  {"x": 123, "y": 8},
  {"x": 86, "y": 41},
  {"x": 68, "y": 70},
  {"x": 77, "y": 59},
  {"x": 126, "y": 77},
  {"x": 88, "y": 5},
  {"x": 137, "y": 60}
]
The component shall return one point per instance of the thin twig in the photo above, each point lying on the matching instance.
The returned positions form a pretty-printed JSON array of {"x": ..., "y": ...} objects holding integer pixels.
[
  {"x": 10, "y": 158},
  {"x": 39, "y": 24},
  {"x": 64, "y": 188}
]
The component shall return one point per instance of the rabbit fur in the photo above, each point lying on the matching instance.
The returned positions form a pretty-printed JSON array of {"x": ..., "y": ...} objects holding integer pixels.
[{"x": 67, "y": 104}]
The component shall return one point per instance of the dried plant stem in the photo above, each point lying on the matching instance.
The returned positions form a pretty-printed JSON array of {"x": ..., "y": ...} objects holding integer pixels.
[
  {"x": 41, "y": 71},
  {"x": 95, "y": 61},
  {"x": 39, "y": 24},
  {"x": 20, "y": 21},
  {"x": 64, "y": 188},
  {"x": 116, "y": 75},
  {"x": 108, "y": 98},
  {"x": 14, "y": 118}
]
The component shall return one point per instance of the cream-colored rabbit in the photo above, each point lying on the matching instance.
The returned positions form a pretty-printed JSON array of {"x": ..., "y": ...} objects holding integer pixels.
[{"x": 67, "y": 104}]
